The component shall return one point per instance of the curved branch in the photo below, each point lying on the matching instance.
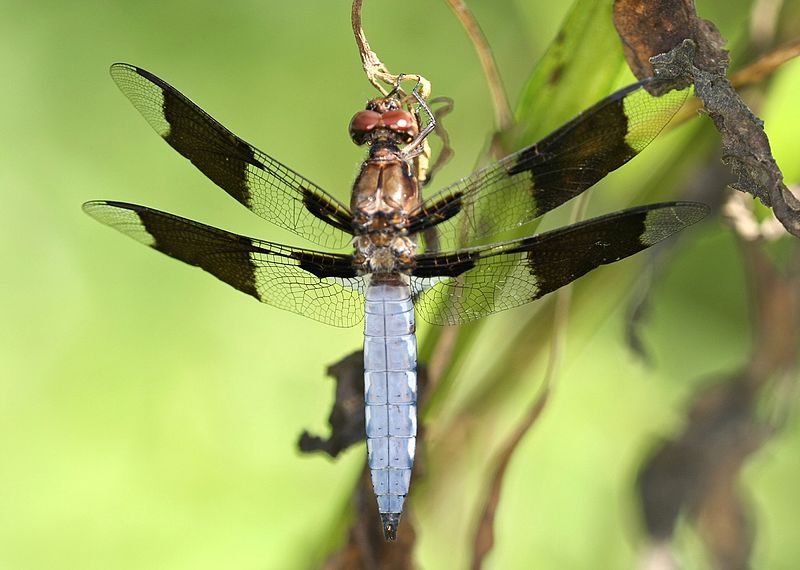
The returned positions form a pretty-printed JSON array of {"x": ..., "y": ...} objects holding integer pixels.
[{"x": 502, "y": 110}]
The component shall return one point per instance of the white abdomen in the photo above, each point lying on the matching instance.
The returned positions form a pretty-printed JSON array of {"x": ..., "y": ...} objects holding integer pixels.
[{"x": 390, "y": 394}]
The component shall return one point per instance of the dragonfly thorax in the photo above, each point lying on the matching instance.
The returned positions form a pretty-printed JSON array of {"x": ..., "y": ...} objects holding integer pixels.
[
  {"x": 384, "y": 195},
  {"x": 384, "y": 252}
]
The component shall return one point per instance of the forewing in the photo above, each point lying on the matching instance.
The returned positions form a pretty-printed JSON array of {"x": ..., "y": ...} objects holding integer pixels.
[
  {"x": 530, "y": 182},
  {"x": 261, "y": 183},
  {"x": 321, "y": 286},
  {"x": 469, "y": 284}
]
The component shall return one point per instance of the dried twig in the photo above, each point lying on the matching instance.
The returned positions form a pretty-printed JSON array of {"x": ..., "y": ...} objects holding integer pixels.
[
  {"x": 347, "y": 414},
  {"x": 765, "y": 65},
  {"x": 484, "y": 537},
  {"x": 697, "y": 57},
  {"x": 753, "y": 74},
  {"x": 373, "y": 67},
  {"x": 745, "y": 145},
  {"x": 377, "y": 73}
]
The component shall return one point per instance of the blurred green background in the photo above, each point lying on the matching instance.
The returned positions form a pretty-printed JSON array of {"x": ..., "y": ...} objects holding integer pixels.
[{"x": 149, "y": 414}]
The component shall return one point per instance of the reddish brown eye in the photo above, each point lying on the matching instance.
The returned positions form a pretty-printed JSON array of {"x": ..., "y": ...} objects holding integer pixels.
[
  {"x": 399, "y": 121},
  {"x": 362, "y": 123}
]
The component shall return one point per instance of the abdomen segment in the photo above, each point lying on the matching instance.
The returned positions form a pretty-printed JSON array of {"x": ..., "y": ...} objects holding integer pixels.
[{"x": 390, "y": 394}]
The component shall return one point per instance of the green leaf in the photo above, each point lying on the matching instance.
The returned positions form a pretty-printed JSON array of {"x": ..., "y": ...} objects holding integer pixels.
[{"x": 581, "y": 66}]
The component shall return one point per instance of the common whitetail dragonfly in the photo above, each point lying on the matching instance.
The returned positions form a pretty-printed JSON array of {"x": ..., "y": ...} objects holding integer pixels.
[{"x": 411, "y": 256}]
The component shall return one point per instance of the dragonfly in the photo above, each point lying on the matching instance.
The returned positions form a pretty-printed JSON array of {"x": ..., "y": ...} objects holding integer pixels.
[{"x": 404, "y": 256}]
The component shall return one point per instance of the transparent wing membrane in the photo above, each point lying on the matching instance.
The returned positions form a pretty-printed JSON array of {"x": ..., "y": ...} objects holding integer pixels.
[
  {"x": 264, "y": 185},
  {"x": 528, "y": 183},
  {"x": 321, "y": 286},
  {"x": 469, "y": 284}
]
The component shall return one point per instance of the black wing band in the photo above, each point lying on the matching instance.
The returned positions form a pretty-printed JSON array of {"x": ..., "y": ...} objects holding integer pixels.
[
  {"x": 528, "y": 183},
  {"x": 472, "y": 283},
  {"x": 321, "y": 286},
  {"x": 261, "y": 183}
]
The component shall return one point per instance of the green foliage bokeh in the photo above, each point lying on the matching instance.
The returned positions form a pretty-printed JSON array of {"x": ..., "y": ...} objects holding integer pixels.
[{"x": 149, "y": 414}]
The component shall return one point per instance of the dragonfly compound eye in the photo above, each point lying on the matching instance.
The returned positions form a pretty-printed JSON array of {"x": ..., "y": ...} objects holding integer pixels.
[
  {"x": 362, "y": 123},
  {"x": 400, "y": 121}
]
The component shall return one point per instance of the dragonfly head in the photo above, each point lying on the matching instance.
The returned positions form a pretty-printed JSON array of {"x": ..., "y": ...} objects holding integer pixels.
[{"x": 383, "y": 119}]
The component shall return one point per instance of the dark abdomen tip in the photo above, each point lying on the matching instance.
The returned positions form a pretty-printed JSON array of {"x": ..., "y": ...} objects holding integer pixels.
[{"x": 390, "y": 522}]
